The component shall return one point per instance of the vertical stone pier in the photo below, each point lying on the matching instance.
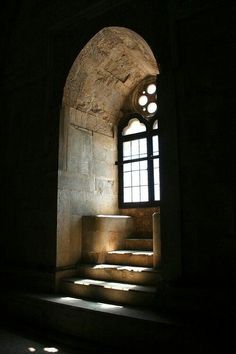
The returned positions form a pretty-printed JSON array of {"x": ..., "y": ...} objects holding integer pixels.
[{"x": 156, "y": 240}]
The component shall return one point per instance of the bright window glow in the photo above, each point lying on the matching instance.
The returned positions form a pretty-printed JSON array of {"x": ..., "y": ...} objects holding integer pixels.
[
  {"x": 142, "y": 100},
  {"x": 151, "y": 89},
  {"x": 136, "y": 194},
  {"x": 156, "y": 176},
  {"x": 156, "y": 179},
  {"x": 157, "y": 192},
  {"x": 155, "y": 145},
  {"x": 127, "y": 179},
  {"x": 143, "y": 178},
  {"x": 135, "y": 166},
  {"x": 146, "y": 100},
  {"x": 127, "y": 167},
  {"x": 155, "y": 125},
  {"x": 144, "y": 194},
  {"x": 126, "y": 150},
  {"x": 143, "y": 165},
  {"x": 143, "y": 147},
  {"x": 127, "y": 195},
  {"x": 139, "y": 178},
  {"x": 152, "y": 107},
  {"x": 134, "y": 126},
  {"x": 135, "y": 148},
  {"x": 135, "y": 178},
  {"x": 51, "y": 350}
]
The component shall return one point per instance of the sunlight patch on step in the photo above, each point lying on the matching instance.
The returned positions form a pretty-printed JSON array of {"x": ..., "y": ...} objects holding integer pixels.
[
  {"x": 146, "y": 253},
  {"x": 51, "y": 350},
  {"x": 67, "y": 298},
  {"x": 113, "y": 216},
  {"x": 103, "y": 266},
  {"x": 142, "y": 253},
  {"x": 120, "y": 267},
  {"x": 101, "y": 305},
  {"x": 104, "y": 284},
  {"x": 120, "y": 286},
  {"x": 87, "y": 282},
  {"x": 108, "y": 306},
  {"x": 132, "y": 269}
]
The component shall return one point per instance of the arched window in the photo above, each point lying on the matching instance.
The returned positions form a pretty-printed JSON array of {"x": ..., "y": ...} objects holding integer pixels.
[
  {"x": 138, "y": 162},
  {"x": 138, "y": 150}
]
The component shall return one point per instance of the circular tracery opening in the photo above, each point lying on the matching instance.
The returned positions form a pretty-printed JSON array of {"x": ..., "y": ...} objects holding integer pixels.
[{"x": 145, "y": 97}]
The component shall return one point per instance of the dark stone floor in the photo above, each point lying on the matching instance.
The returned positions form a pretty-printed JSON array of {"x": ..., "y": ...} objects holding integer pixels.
[{"x": 20, "y": 339}]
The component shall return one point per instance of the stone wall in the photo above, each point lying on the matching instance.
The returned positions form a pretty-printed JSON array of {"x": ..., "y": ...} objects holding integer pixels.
[
  {"x": 142, "y": 218},
  {"x": 87, "y": 185}
]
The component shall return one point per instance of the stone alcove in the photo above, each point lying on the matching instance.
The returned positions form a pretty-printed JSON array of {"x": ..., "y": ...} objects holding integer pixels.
[{"x": 96, "y": 96}]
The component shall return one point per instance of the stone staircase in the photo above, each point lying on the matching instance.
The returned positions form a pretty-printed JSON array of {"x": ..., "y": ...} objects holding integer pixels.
[
  {"x": 127, "y": 276},
  {"x": 114, "y": 296}
]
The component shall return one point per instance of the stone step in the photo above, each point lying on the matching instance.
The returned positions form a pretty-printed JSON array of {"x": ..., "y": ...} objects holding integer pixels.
[
  {"x": 111, "y": 292},
  {"x": 130, "y": 257},
  {"x": 139, "y": 244},
  {"x": 120, "y": 273}
]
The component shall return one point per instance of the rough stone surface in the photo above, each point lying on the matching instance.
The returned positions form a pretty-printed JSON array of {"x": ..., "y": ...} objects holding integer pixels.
[{"x": 105, "y": 72}]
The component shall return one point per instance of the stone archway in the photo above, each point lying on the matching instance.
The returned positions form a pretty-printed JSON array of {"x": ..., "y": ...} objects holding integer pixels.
[{"x": 96, "y": 95}]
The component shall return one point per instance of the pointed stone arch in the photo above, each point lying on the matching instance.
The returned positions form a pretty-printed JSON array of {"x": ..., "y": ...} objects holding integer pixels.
[
  {"x": 96, "y": 95},
  {"x": 104, "y": 74}
]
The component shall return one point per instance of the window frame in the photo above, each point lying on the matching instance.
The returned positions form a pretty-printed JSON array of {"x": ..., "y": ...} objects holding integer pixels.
[{"x": 148, "y": 134}]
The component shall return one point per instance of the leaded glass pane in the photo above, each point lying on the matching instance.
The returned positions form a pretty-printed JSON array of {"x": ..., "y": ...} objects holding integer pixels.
[
  {"x": 157, "y": 191},
  {"x": 135, "y": 166},
  {"x": 143, "y": 147},
  {"x": 143, "y": 165},
  {"x": 155, "y": 145},
  {"x": 127, "y": 167},
  {"x": 143, "y": 178},
  {"x": 156, "y": 176},
  {"x": 127, "y": 195},
  {"x": 126, "y": 150},
  {"x": 135, "y": 149},
  {"x": 127, "y": 179},
  {"x": 135, "y": 178},
  {"x": 156, "y": 163},
  {"x": 135, "y": 194},
  {"x": 144, "y": 194}
]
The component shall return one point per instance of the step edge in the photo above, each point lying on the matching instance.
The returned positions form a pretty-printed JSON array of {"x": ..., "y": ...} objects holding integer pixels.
[
  {"x": 116, "y": 266},
  {"x": 141, "y": 288}
]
